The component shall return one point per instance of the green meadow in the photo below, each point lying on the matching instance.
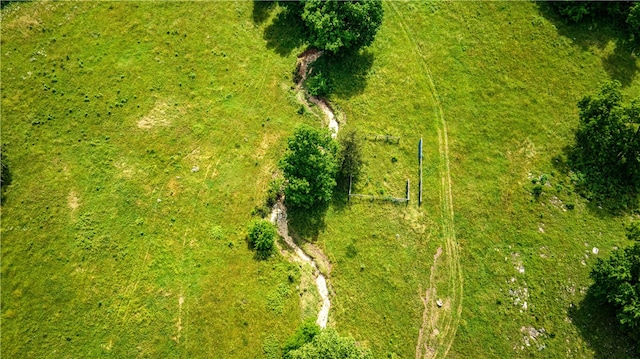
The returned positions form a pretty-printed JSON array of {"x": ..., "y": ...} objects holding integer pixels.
[{"x": 141, "y": 136}]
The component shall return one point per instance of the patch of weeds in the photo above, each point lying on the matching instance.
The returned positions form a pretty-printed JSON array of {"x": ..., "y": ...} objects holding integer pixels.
[
  {"x": 277, "y": 297},
  {"x": 216, "y": 233},
  {"x": 318, "y": 84},
  {"x": 271, "y": 348},
  {"x": 352, "y": 251},
  {"x": 274, "y": 191}
]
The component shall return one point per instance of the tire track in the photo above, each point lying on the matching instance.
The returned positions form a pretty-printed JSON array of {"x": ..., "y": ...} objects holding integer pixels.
[{"x": 440, "y": 320}]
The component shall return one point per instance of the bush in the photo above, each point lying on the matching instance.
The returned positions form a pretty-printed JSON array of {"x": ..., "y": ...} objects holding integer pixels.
[
  {"x": 305, "y": 334},
  {"x": 350, "y": 156},
  {"x": 537, "y": 191},
  {"x": 261, "y": 237},
  {"x": 318, "y": 84},
  {"x": 623, "y": 14},
  {"x": 329, "y": 345},
  {"x": 274, "y": 192}
]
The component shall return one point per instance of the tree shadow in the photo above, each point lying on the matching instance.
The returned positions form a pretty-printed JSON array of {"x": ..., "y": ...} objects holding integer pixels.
[
  {"x": 340, "y": 199},
  {"x": 599, "y": 32},
  {"x": 262, "y": 10},
  {"x": 621, "y": 64},
  {"x": 598, "y": 326},
  {"x": 306, "y": 224},
  {"x": 285, "y": 33},
  {"x": 348, "y": 72},
  {"x": 4, "y": 3},
  {"x": 602, "y": 205}
]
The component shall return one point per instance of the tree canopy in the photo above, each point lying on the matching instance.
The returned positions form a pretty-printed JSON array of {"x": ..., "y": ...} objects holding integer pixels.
[
  {"x": 624, "y": 14},
  {"x": 338, "y": 26},
  {"x": 617, "y": 282},
  {"x": 309, "y": 167},
  {"x": 607, "y": 144}
]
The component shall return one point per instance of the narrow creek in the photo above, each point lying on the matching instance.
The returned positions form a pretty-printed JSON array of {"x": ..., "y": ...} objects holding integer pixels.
[
  {"x": 279, "y": 211},
  {"x": 279, "y": 218}
]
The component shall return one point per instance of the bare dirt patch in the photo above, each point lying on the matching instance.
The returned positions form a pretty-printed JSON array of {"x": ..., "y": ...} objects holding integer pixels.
[
  {"x": 158, "y": 116},
  {"x": 73, "y": 201}
]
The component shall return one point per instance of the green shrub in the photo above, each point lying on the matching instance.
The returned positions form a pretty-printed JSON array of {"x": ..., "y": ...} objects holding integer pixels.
[
  {"x": 261, "y": 237},
  {"x": 305, "y": 334},
  {"x": 537, "y": 191},
  {"x": 607, "y": 147},
  {"x": 274, "y": 191},
  {"x": 350, "y": 155},
  {"x": 318, "y": 84},
  {"x": 329, "y": 345}
]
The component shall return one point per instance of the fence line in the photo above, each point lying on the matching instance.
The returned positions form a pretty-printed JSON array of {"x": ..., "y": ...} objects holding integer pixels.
[
  {"x": 420, "y": 183},
  {"x": 386, "y": 138},
  {"x": 383, "y": 198}
]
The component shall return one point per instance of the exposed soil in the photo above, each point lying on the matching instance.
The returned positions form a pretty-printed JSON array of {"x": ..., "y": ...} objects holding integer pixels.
[
  {"x": 73, "y": 200},
  {"x": 279, "y": 218},
  {"x": 303, "y": 66},
  {"x": 156, "y": 117}
]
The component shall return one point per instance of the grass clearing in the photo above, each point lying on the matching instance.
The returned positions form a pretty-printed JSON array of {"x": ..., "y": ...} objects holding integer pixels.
[
  {"x": 141, "y": 136},
  {"x": 508, "y": 78}
]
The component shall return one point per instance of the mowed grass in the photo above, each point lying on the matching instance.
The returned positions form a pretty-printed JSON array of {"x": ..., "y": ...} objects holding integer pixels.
[
  {"x": 508, "y": 76},
  {"x": 140, "y": 137},
  {"x": 108, "y": 224}
]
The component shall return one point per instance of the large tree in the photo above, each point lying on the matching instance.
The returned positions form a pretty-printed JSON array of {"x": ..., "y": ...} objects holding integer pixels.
[
  {"x": 309, "y": 166},
  {"x": 336, "y": 26},
  {"x": 607, "y": 148},
  {"x": 617, "y": 283}
]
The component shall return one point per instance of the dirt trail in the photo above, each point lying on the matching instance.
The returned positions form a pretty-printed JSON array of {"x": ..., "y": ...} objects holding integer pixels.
[
  {"x": 440, "y": 320},
  {"x": 279, "y": 218},
  {"x": 303, "y": 66}
]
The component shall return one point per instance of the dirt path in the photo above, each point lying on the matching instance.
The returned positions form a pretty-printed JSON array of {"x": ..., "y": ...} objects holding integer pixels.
[
  {"x": 279, "y": 218},
  {"x": 440, "y": 319}
]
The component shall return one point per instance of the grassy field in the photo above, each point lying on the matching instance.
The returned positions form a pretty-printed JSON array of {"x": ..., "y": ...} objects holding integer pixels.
[
  {"x": 142, "y": 135},
  {"x": 508, "y": 76}
]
